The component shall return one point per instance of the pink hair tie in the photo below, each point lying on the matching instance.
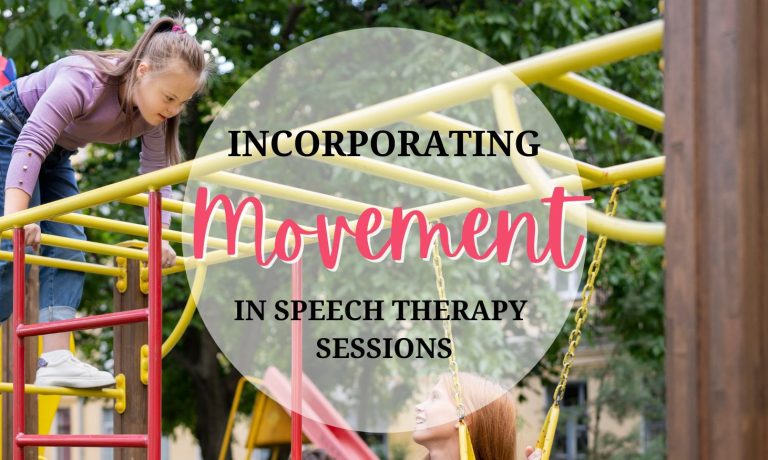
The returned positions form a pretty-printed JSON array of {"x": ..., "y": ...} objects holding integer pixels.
[{"x": 178, "y": 28}]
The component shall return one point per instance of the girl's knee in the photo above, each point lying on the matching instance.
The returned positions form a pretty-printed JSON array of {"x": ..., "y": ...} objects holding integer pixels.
[{"x": 56, "y": 313}]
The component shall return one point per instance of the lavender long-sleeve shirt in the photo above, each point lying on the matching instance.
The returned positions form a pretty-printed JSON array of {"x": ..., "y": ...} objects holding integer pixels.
[{"x": 71, "y": 104}]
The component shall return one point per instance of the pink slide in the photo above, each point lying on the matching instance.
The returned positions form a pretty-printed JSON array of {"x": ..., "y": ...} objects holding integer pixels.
[{"x": 336, "y": 438}]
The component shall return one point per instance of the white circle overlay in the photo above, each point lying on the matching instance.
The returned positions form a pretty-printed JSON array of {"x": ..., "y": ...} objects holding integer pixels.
[{"x": 383, "y": 80}]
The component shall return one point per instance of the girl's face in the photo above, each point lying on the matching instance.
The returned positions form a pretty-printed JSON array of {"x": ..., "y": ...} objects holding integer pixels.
[
  {"x": 435, "y": 417},
  {"x": 162, "y": 95}
]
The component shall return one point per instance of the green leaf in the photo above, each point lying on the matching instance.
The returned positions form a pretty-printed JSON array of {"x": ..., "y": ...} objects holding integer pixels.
[
  {"x": 14, "y": 39},
  {"x": 506, "y": 37},
  {"x": 126, "y": 30},
  {"x": 113, "y": 23},
  {"x": 57, "y": 8}
]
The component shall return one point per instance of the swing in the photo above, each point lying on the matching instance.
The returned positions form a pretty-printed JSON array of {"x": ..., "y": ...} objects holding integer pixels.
[
  {"x": 466, "y": 452},
  {"x": 547, "y": 434}
]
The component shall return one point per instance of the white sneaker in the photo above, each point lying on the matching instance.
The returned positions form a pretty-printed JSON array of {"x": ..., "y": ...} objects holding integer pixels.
[{"x": 61, "y": 369}]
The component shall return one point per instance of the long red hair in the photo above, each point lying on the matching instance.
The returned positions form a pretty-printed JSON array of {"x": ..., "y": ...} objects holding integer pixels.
[{"x": 491, "y": 419}]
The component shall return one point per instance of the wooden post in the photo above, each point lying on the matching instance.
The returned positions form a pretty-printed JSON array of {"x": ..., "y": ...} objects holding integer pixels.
[
  {"x": 127, "y": 352},
  {"x": 30, "y": 401},
  {"x": 716, "y": 185}
]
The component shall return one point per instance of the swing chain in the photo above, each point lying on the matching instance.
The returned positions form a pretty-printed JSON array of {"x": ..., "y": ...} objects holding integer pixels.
[
  {"x": 586, "y": 297},
  {"x": 458, "y": 397}
]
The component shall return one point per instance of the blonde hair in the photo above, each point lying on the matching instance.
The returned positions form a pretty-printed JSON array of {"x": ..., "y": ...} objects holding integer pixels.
[
  {"x": 492, "y": 416},
  {"x": 159, "y": 45}
]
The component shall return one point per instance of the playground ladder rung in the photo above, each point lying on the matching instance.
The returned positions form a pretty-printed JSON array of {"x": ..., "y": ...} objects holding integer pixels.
[
  {"x": 89, "y": 322},
  {"x": 83, "y": 440},
  {"x": 152, "y": 315}
]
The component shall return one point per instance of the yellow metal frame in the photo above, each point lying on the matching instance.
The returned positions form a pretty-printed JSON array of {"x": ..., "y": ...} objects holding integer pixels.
[
  {"x": 181, "y": 325},
  {"x": 556, "y": 69},
  {"x": 117, "y": 393},
  {"x": 233, "y": 412}
]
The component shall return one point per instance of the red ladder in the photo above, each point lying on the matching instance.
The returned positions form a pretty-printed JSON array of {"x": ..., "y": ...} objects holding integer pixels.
[{"x": 154, "y": 317}]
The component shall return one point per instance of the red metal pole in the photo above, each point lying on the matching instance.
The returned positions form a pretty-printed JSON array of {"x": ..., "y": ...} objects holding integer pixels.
[
  {"x": 155, "y": 387},
  {"x": 18, "y": 341},
  {"x": 84, "y": 440},
  {"x": 296, "y": 367},
  {"x": 89, "y": 322}
]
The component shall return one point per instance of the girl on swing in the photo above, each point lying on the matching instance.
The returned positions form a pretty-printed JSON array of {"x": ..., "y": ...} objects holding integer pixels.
[
  {"x": 491, "y": 421},
  {"x": 88, "y": 96}
]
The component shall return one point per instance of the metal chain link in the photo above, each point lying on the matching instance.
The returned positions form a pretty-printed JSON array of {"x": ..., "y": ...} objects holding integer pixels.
[
  {"x": 458, "y": 396},
  {"x": 580, "y": 316},
  {"x": 586, "y": 297}
]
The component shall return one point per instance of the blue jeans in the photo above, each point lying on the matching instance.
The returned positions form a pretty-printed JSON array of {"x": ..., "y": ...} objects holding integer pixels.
[{"x": 60, "y": 290}]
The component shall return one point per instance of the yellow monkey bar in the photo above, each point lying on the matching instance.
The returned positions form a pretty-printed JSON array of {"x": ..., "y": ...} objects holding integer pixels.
[
  {"x": 547, "y": 67},
  {"x": 554, "y": 69},
  {"x": 608, "y": 99},
  {"x": 625, "y": 172}
]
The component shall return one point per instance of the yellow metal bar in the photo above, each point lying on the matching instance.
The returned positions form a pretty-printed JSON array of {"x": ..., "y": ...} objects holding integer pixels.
[
  {"x": 636, "y": 170},
  {"x": 292, "y": 193},
  {"x": 189, "y": 310},
  {"x": 92, "y": 247},
  {"x": 105, "y": 194},
  {"x": 259, "y": 406},
  {"x": 632, "y": 171},
  {"x": 84, "y": 267},
  {"x": 593, "y": 93},
  {"x": 547, "y": 434},
  {"x": 231, "y": 419},
  {"x": 596, "y": 222},
  {"x": 408, "y": 176},
  {"x": 182, "y": 207},
  {"x": 118, "y": 393},
  {"x": 112, "y": 225},
  {"x": 233, "y": 412},
  {"x": 127, "y": 228},
  {"x": 628, "y": 172},
  {"x": 191, "y": 263},
  {"x": 603, "y": 50},
  {"x": 609, "y": 48},
  {"x": 561, "y": 163},
  {"x": 113, "y": 393},
  {"x": 627, "y": 43}
]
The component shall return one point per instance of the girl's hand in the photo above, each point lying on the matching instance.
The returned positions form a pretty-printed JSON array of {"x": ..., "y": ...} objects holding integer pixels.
[
  {"x": 32, "y": 236},
  {"x": 531, "y": 454},
  {"x": 168, "y": 255},
  {"x": 17, "y": 200}
]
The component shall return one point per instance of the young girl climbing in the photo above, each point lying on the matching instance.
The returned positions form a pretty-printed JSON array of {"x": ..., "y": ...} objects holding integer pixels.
[{"x": 88, "y": 96}]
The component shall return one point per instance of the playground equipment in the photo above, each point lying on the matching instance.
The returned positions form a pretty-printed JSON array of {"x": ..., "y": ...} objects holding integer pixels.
[
  {"x": 553, "y": 69},
  {"x": 465, "y": 442},
  {"x": 270, "y": 425},
  {"x": 547, "y": 434},
  {"x": 47, "y": 403}
]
